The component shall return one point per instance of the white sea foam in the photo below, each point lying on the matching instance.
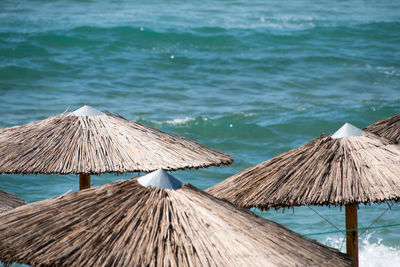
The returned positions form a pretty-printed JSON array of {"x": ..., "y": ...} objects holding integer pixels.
[
  {"x": 388, "y": 71},
  {"x": 371, "y": 253},
  {"x": 377, "y": 254},
  {"x": 251, "y": 114},
  {"x": 180, "y": 120}
]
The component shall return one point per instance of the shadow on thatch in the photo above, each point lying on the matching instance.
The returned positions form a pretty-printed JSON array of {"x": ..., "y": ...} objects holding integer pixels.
[
  {"x": 126, "y": 224},
  {"x": 9, "y": 201},
  {"x": 325, "y": 171},
  {"x": 88, "y": 141},
  {"x": 388, "y": 128}
]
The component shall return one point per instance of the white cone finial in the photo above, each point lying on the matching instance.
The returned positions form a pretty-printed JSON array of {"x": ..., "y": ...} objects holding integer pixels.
[
  {"x": 160, "y": 179},
  {"x": 86, "y": 111},
  {"x": 347, "y": 130}
]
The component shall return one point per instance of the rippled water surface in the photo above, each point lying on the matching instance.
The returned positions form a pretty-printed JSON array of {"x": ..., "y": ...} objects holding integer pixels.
[{"x": 251, "y": 78}]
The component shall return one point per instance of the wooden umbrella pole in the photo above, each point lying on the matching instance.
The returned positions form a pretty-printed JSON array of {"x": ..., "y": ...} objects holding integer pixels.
[
  {"x": 352, "y": 236},
  {"x": 84, "y": 181}
]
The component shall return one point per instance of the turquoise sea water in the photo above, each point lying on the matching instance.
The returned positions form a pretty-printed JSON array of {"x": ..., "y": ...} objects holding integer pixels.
[{"x": 251, "y": 78}]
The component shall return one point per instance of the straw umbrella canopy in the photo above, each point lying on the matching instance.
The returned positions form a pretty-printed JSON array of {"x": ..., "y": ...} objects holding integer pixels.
[
  {"x": 346, "y": 168},
  {"x": 388, "y": 128},
  {"x": 126, "y": 224},
  {"x": 88, "y": 141},
  {"x": 9, "y": 201}
]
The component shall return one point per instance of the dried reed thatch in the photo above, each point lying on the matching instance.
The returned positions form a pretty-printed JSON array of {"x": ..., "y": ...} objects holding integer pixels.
[
  {"x": 9, "y": 201},
  {"x": 91, "y": 142},
  {"x": 126, "y": 224},
  {"x": 388, "y": 128},
  {"x": 337, "y": 171}
]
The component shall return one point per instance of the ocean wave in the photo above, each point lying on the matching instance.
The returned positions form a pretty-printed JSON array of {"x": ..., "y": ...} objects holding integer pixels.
[
  {"x": 160, "y": 15},
  {"x": 371, "y": 253},
  {"x": 242, "y": 127},
  {"x": 272, "y": 35},
  {"x": 233, "y": 118},
  {"x": 179, "y": 121},
  {"x": 389, "y": 71}
]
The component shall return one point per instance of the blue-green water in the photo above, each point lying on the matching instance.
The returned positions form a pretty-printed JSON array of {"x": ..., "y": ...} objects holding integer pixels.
[{"x": 252, "y": 78}]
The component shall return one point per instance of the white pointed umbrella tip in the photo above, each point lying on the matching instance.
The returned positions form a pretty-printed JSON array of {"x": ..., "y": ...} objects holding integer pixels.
[
  {"x": 86, "y": 111},
  {"x": 347, "y": 130},
  {"x": 160, "y": 179}
]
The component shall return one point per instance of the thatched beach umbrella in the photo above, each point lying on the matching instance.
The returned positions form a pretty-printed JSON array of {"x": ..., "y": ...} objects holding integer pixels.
[
  {"x": 88, "y": 141},
  {"x": 9, "y": 201},
  {"x": 346, "y": 168},
  {"x": 126, "y": 224},
  {"x": 388, "y": 128}
]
